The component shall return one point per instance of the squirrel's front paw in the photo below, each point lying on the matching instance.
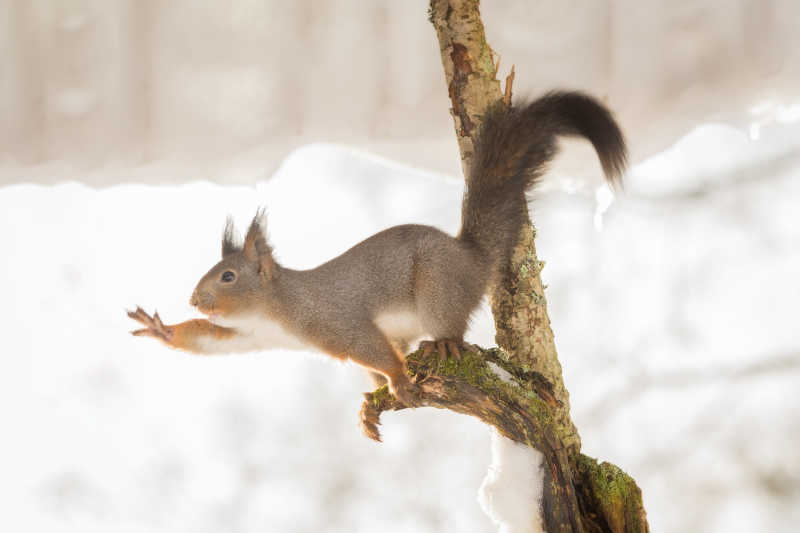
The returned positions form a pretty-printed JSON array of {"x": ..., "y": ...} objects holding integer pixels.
[
  {"x": 154, "y": 327},
  {"x": 406, "y": 392}
]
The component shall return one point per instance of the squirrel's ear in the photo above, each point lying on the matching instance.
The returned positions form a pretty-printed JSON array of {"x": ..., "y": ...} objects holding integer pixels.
[
  {"x": 256, "y": 249},
  {"x": 230, "y": 239}
]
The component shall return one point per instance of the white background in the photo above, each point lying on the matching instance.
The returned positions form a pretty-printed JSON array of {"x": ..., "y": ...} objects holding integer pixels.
[{"x": 674, "y": 304}]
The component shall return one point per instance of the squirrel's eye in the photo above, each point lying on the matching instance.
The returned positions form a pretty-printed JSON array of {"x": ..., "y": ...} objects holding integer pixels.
[{"x": 228, "y": 276}]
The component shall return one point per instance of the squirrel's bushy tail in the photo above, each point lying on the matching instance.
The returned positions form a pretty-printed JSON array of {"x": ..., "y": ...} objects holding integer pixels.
[{"x": 511, "y": 151}]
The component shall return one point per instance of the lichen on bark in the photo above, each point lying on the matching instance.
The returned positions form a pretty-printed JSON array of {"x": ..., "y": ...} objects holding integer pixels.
[
  {"x": 521, "y": 405},
  {"x": 523, "y": 327},
  {"x": 518, "y": 402},
  {"x": 518, "y": 302}
]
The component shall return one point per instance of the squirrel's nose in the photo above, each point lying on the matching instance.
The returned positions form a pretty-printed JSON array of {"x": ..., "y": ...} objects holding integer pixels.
[{"x": 194, "y": 300}]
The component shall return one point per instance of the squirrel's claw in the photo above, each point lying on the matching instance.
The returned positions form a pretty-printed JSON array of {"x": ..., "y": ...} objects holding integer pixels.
[
  {"x": 444, "y": 347},
  {"x": 452, "y": 346},
  {"x": 154, "y": 327},
  {"x": 140, "y": 315},
  {"x": 369, "y": 420}
]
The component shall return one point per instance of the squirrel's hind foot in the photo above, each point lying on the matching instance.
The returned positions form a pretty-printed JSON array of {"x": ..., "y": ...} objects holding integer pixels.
[
  {"x": 406, "y": 392},
  {"x": 445, "y": 347}
]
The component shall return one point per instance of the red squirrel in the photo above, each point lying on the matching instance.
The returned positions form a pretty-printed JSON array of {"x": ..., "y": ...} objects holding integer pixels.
[{"x": 403, "y": 283}]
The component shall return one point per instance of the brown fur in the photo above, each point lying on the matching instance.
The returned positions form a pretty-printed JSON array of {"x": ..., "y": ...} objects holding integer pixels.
[{"x": 185, "y": 334}]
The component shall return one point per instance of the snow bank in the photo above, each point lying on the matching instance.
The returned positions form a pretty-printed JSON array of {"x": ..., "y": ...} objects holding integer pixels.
[
  {"x": 676, "y": 327},
  {"x": 106, "y": 431},
  {"x": 511, "y": 493}
]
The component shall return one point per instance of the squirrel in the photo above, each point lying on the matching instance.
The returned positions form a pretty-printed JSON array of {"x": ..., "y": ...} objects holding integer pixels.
[{"x": 401, "y": 284}]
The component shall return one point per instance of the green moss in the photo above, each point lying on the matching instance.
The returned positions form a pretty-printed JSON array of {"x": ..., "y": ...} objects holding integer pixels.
[
  {"x": 473, "y": 368},
  {"x": 380, "y": 396},
  {"x": 614, "y": 493},
  {"x": 608, "y": 480},
  {"x": 530, "y": 264}
]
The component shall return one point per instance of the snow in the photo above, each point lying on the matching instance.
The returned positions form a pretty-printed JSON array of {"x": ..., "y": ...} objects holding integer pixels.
[
  {"x": 511, "y": 493},
  {"x": 712, "y": 154},
  {"x": 676, "y": 327},
  {"x": 501, "y": 372},
  {"x": 110, "y": 432}
]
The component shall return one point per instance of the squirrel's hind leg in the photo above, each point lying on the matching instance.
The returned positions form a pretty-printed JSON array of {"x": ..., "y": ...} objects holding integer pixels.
[
  {"x": 372, "y": 350},
  {"x": 446, "y": 294},
  {"x": 378, "y": 379}
]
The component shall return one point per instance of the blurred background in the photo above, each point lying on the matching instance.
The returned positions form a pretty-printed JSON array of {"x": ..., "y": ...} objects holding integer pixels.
[
  {"x": 113, "y": 83},
  {"x": 130, "y": 128}
]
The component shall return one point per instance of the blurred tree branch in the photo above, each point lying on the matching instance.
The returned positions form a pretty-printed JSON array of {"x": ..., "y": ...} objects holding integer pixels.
[
  {"x": 529, "y": 404},
  {"x": 642, "y": 382}
]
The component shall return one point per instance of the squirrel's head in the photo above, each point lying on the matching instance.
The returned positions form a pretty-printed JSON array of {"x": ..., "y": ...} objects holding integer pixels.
[{"x": 238, "y": 285}]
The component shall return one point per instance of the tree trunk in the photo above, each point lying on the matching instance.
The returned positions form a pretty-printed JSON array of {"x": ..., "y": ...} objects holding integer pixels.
[{"x": 518, "y": 389}]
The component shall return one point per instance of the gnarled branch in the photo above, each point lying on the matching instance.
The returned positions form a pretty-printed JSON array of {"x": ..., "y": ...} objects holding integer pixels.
[{"x": 578, "y": 494}]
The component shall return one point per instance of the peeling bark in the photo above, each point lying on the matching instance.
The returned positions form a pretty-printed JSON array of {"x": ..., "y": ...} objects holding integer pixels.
[
  {"x": 468, "y": 66},
  {"x": 518, "y": 303}
]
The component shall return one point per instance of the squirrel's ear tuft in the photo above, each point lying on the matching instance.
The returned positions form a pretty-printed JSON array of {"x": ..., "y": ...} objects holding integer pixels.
[
  {"x": 256, "y": 248},
  {"x": 230, "y": 239}
]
